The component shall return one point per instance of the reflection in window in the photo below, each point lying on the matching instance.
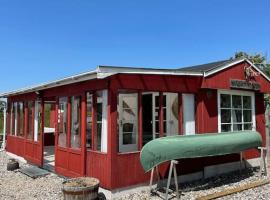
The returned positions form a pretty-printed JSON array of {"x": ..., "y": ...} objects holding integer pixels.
[
  {"x": 62, "y": 121},
  {"x": 75, "y": 122},
  {"x": 12, "y": 119},
  {"x": 235, "y": 112},
  {"x": 30, "y": 106},
  {"x": 89, "y": 119}
]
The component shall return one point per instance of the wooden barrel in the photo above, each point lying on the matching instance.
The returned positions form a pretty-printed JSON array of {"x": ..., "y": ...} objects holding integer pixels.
[{"x": 83, "y": 188}]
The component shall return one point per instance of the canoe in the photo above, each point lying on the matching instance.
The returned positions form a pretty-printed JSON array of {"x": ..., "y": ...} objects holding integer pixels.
[{"x": 169, "y": 148}]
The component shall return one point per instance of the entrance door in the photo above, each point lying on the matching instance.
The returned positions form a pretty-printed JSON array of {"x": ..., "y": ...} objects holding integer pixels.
[
  {"x": 128, "y": 122},
  {"x": 49, "y": 136},
  {"x": 189, "y": 114}
]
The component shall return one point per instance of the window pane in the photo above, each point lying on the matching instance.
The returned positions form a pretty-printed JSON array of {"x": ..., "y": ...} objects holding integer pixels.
[
  {"x": 75, "y": 136},
  {"x": 225, "y": 116},
  {"x": 225, "y": 101},
  {"x": 237, "y": 115},
  {"x": 13, "y": 115},
  {"x": 247, "y": 115},
  {"x": 20, "y": 119},
  {"x": 237, "y": 127},
  {"x": 99, "y": 119},
  {"x": 237, "y": 101},
  {"x": 247, "y": 102},
  {"x": 62, "y": 121},
  {"x": 248, "y": 126},
  {"x": 30, "y": 120},
  {"x": 89, "y": 119},
  {"x": 225, "y": 127}
]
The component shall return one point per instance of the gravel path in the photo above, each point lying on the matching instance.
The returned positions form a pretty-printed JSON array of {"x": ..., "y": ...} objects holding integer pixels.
[{"x": 14, "y": 185}]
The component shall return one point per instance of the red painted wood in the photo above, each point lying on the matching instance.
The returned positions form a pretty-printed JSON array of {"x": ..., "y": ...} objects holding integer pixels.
[
  {"x": 96, "y": 166},
  {"x": 180, "y": 114},
  {"x": 206, "y": 111},
  {"x": 221, "y": 80},
  {"x": 83, "y": 133}
]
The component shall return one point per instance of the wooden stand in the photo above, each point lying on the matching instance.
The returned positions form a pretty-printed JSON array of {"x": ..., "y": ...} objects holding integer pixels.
[
  {"x": 263, "y": 169},
  {"x": 172, "y": 170}
]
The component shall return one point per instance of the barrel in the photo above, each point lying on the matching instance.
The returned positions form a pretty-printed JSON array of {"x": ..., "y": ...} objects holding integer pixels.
[{"x": 83, "y": 188}]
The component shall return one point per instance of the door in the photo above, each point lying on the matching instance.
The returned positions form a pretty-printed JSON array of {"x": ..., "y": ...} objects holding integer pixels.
[
  {"x": 189, "y": 114},
  {"x": 128, "y": 122}
]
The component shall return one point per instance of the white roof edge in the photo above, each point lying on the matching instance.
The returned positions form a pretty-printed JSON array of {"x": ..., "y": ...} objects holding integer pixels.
[
  {"x": 100, "y": 73},
  {"x": 133, "y": 70},
  {"x": 211, "y": 72},
  {"x": 59, "y": 82}
]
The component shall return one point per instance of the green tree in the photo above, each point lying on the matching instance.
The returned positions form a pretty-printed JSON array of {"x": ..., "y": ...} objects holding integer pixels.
[{"x": 258, "y": 59}]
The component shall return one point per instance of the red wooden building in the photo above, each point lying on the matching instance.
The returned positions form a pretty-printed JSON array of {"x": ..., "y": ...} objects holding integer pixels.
[{"x": 95, "y": 123}]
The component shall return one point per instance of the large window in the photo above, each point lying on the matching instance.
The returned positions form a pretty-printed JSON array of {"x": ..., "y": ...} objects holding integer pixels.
[
  {"x": 30, "y": 106},
  {"x": 37, "y": 121},
  {"x": 75, "y": 122},
  {"x": 19, "y": 119},
  {"x": 89, "y": 119},
  {"x": 12, "y": 119},
  {"x": 236, "y": 111},
  {"x": 62, "y": 121}
]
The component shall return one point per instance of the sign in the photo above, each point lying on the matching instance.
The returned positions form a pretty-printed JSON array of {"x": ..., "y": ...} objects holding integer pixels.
[{"x": 243, "y": 84}]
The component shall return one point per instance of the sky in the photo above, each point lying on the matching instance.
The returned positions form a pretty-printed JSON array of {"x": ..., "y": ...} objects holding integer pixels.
[{"x": 43, "y": 40}]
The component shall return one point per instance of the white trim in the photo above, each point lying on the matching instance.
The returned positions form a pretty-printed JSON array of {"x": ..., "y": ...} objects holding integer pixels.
[
  {"x": 36, "y": 120},
  {"x": 241, "y": 93},
  {"x": 104, "y": 126}
]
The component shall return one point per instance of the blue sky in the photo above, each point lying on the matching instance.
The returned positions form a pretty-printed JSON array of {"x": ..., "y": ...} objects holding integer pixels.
[{"x": 46, "y": 40}]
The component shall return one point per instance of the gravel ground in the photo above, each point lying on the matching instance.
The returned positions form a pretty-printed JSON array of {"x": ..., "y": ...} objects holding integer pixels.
[
  {"x": 14, "y": 185},
  {"x": 217, "y": 184}
]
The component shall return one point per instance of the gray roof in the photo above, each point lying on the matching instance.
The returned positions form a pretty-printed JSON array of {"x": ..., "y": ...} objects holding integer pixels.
[{"x": 208, "y": 66}]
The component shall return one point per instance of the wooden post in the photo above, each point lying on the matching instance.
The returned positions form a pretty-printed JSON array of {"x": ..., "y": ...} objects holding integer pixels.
[{"x": 263, "y": 169}]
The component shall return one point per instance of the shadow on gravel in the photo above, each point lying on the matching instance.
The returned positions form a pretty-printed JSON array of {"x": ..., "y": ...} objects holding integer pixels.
[{"x": 225, "y": 179}]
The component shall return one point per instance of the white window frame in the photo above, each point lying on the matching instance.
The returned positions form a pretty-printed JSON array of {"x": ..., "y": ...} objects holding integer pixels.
[{"x": 241, "y": 93}]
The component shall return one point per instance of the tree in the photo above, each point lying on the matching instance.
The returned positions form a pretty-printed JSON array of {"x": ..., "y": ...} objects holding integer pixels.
[{"x": 258, "y": 59}]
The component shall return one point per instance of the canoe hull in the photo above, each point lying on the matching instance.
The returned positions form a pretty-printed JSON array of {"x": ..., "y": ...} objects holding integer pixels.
[{"x": 168, "y": 148}]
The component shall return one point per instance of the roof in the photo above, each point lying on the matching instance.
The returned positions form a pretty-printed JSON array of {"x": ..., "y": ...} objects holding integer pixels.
[
  {"x": 207, "y": 66},
  {"x": 102, "y": 72}
]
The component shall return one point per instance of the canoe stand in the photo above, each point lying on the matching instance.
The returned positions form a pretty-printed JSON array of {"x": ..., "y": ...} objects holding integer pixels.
[
  {"x": 173, "y": 163},
  {"x": 172, "y": 170}
]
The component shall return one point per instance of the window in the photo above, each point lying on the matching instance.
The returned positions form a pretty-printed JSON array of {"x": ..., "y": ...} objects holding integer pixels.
[
  {"x": 102, "y": 101},
  {"x": 75, "y": 122},
  {"x": 20, "y": 119},
  {"x": 128, "y": 121},
  {"x": 12, "y": 119},
  {"x": 62, "y": 121},
  {"x": 30, "y": 105},
  {"x": 89, "y": 119},
  {"x": 236, "y": 111}
]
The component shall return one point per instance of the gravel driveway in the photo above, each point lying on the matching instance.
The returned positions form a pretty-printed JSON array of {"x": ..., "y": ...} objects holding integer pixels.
[{"x": 14, "y": 185}]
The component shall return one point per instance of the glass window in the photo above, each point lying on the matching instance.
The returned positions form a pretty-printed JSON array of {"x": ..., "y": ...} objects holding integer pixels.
[
  {"x": 62, "y": 121},
  {"x": 99, "y": 119},
  {"x": 89, "y": 119},
  {"x": 30, "y": 106},
  {"x": 12, "y": 119},
  {"x": 128, "y": 121},
  {"x": 20, "y": 119},
  {"x": 75, "y": 122},
  {"x": 236, "y": 116}
]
